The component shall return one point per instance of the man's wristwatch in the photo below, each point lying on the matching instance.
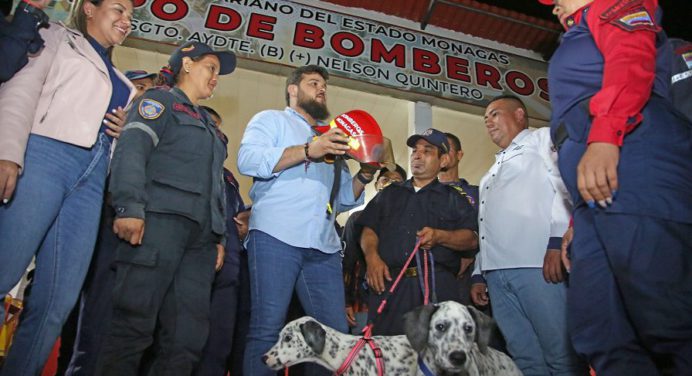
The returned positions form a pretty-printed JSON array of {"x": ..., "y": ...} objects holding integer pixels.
[{"x": 40, "y": 16}]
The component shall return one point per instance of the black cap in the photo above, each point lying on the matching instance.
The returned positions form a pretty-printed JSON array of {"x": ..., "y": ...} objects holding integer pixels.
[
  {"x": 196, "y": 49},
  {"x": 139, "y": 74},
  {"x": 433, "y": 136}
]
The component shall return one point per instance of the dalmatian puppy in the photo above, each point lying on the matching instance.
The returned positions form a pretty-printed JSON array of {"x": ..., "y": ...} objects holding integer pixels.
[
  {"x": 306, "y": 340},
  {"x": 452, "y": 339}
]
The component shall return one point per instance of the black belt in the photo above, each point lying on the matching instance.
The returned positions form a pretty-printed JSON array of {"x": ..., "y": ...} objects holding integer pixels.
[{"x": 413, "y": 271}]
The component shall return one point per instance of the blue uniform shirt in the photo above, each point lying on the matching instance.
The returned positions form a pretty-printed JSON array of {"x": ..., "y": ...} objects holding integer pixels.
[
  {"x": 467, "y": 190},
  {"x": 655, "y": 162}
]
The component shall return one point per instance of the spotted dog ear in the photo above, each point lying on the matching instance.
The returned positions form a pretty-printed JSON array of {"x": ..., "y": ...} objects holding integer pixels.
[
  {"x": 314, "y": 335},
  {"x": 484, "y": 328},
  {"x": 417, "y": 326}
]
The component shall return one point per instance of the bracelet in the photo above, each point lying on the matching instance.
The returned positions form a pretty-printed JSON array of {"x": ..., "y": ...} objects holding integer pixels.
[
  {"x": 362, "y": 178},
  {"x": 306, "y": 160}
]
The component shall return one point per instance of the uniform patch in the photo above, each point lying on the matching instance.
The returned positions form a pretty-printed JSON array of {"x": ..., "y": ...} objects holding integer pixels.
[
  {"x": 636, "y": 19},
  {"x": 150, "y": 109},
  {"x": 687, "y": 56}
]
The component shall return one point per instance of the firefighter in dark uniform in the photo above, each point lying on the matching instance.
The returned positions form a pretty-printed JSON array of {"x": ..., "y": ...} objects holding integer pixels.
[
  {"x": 226, "y": 290},
  {"x": 419, "y": 208},
  {"x": 626, "y": 157},
  {"x": 167, "y": 189},
  {"x": 681, "y": 77}
]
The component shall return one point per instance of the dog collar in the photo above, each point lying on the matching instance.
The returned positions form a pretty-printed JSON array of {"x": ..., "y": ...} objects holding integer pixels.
[{"x": 424, "y": 368}]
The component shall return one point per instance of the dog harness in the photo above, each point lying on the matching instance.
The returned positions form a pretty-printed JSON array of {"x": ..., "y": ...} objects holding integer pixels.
[{"x": 367, "y": 338}]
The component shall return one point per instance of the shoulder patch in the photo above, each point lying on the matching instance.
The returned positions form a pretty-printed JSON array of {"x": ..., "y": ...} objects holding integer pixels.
[
  {"x": 150, "y": 109},
  {"x": 687, "y": 57},
  {"x": 635, "y": 19},
  {"x": 463, "y": 194}
]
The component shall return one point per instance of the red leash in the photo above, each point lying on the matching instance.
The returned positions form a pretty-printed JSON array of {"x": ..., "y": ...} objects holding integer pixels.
[
  {"x": 398, "y": 278},
  {"x": 367, "y": 331}
]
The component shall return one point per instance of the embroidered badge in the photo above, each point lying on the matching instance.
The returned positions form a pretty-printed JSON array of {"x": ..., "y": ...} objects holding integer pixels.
[
  {"x": 188, "y": 48},
  {"x": 636, "y": 19},
  {"x": 687, "y": 56},
  {"x": 150, "y": 109}
]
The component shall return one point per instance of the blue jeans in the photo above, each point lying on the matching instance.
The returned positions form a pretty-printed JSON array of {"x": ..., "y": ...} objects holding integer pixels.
[
  {"x": 276, "y": 268},
  {"x": 53, "y": 215},
  {"x": 532, "y": 316}
]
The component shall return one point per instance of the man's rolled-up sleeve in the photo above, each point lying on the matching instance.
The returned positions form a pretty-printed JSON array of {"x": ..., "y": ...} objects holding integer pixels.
[{"x": 259, "y": 152}]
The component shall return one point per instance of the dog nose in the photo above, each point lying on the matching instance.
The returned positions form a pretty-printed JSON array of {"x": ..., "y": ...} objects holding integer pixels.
[
  {"x": 264, "y": 359},
  {"x": 458, "y": 358}
]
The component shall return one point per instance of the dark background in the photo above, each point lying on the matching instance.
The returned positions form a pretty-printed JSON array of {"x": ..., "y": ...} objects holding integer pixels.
[{"x": 677, "y": 14}]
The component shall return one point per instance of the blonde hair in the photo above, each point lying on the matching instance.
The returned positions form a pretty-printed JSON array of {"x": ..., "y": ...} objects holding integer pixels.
[{"x": 77, "y": 19}]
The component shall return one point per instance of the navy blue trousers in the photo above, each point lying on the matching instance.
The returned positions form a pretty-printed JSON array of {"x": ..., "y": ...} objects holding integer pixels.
[
  {"x": 229, "y": 319},
  {"x": 630, "y": 292}
]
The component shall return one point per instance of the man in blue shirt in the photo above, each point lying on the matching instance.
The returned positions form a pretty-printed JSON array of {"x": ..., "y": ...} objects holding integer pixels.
[{"x": 292, "y": 242}]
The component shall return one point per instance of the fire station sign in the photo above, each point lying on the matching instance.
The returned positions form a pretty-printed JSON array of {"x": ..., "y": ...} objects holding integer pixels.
[{"x": 287, "y": 33}]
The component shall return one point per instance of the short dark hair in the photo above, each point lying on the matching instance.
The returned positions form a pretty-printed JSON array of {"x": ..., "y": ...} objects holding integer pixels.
[
  {"x": 297, "y": 75},
  {"x": 455, "y": 142},
  {"x": 399, "y": 170},
  {"x": 212, "y": 111},
  {"x": 515, "y": 99}
]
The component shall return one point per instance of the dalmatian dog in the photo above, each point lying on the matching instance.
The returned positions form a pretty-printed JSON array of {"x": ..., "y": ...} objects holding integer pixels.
[
  {"x": 452, "y": 339},
  {"x": 306, "y": 340}
]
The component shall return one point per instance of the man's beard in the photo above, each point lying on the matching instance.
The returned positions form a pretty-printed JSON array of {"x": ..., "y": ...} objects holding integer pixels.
[{"x": 315, "y": 109}]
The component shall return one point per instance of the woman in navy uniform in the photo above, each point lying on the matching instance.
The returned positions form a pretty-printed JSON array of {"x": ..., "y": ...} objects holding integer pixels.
[
  {"x": 626, "y": 157},
  {"x": 167, "y": 190}
]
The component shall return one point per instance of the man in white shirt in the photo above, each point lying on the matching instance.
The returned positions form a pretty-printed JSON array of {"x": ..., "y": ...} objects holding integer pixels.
[{"x": 523, "y": 212}]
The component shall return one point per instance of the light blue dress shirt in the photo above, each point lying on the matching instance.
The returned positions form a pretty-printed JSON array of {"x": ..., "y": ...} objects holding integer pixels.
[
  {"x": 291, "y": 205},
  {"x": 524, "y": 205}
]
